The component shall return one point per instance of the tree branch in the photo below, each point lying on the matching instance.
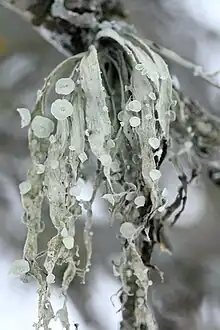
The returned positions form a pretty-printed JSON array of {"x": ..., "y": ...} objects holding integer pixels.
[{"x": 198, "y": 71}]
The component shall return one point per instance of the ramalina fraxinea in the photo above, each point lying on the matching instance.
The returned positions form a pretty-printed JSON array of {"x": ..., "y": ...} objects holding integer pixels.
[{"x": 113, "y": 102}]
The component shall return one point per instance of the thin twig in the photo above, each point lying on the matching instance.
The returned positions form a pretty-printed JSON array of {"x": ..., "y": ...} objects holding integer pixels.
[{"x": 198, "y": 71}]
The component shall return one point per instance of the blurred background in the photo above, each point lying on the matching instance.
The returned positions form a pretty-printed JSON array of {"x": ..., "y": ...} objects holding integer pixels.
[{"x": 190, "y": 297}]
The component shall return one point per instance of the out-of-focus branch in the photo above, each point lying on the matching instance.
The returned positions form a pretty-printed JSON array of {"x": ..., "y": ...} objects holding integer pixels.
[
  {"x": 197, "y": 70},
  {"x": 193, "y": 123},
  {"x": 21, "y": 9},
  {"x": 68, "y": 25}
]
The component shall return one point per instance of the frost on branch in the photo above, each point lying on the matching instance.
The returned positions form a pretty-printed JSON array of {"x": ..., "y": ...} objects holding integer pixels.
[{"x": 113, "y": 102}]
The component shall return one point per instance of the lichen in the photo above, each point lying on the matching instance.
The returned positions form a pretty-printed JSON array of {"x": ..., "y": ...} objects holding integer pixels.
[
  {"x": 65, "y": 86},
  {"x": 115, "y": 106},
  {"x": 25, "y": 116},
  {"x": 19, "y": 267},
  {"x": 61, "y": 109},
  {"x": 118, "y": 106}
]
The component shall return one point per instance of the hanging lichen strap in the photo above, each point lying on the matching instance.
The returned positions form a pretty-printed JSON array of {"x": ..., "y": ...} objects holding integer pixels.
[
  {"x": 34, "y": 190},
  {"x": 61, "y": 174},
  {"x": 97, "y": 118},
  {"x": 145, "y": 131},
  {"x": 137, "y": 278},
  {"x": 148, "y": 129},
  {"x": 145, "y": 125},
  {"x": 155, "y": 91},
  {"x": 77, "y": 131},
  {"x": 164, "y": 98}
]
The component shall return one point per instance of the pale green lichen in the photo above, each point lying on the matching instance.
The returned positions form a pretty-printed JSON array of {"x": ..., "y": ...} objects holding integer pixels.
[
  {"x": 172, "y": 115},
  {"x": 109, "y": 198},
  {"x": 136, "y": 73},
  {"x": 61, "y": 109},
  {"x": 155, "y": 174},
  {"x": 127, "y": 229},
  {"x": 68, "y": 241},
  {"x": 19, "y": 267},
  {"x": 140, "y": 201},
  {"x": 121, "y": 127},
  {"x": 65, "y": 86},
  {"x": 24, "y": 187},
  {"x": 64, "y": 232},
  {"x": 42, "y": 127},
  {"x": 152, "y": 96},
  {"x": 50, "y": 278},
  {"x": 134, "y": 106},
  {"x": 40, "y": 168},
  {"x": 134, "y": 121},
  {"x": 83, "y": 157},
  {"x": 97, "y": 120},
  {"x": 164, "y": 193},
  {"x": 154, "y": 142},
  {"x": 25, "y": 116}
]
